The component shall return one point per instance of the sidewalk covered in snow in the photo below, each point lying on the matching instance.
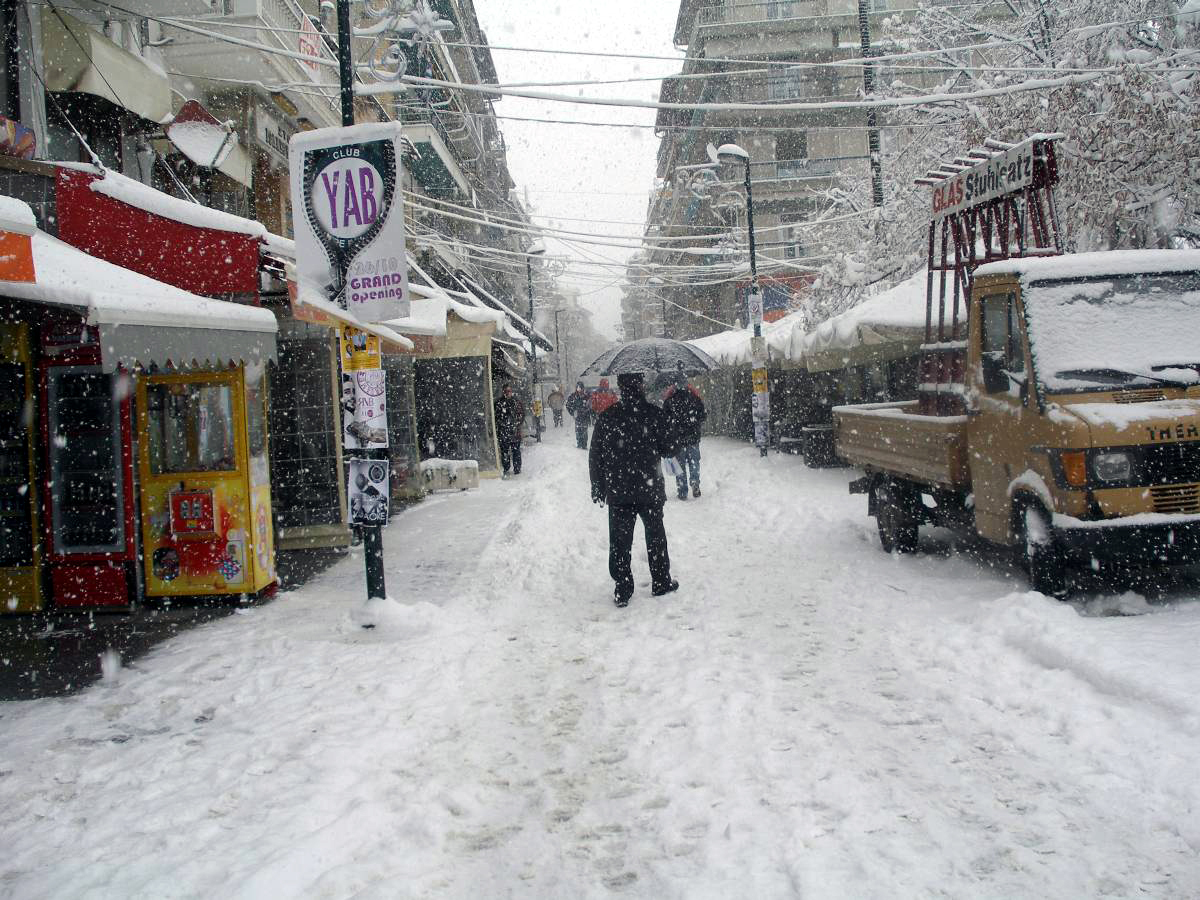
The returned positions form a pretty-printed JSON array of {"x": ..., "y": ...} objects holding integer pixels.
[{"x": 849, "y": 725}]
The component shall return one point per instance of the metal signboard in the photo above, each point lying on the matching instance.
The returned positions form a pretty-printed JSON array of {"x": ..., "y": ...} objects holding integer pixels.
[
  {"x": 1003, "y": 174},
  {"x": 348, "y": 218},
  {"x": 368, "y": 492}
]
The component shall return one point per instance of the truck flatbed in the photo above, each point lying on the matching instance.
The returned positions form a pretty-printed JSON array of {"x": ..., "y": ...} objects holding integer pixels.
[{"x": 896, "y": 439}]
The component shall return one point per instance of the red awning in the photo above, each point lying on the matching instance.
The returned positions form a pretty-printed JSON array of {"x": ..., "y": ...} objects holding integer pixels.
[{"x": 149, "y": 232}]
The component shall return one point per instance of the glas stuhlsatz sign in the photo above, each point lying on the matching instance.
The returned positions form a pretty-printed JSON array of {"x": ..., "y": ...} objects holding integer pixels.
[{"x": 348, "y": 218}]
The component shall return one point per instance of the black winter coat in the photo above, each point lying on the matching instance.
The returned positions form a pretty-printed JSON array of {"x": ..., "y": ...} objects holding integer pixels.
[
  {"x": 685, "y": 415},
  {"x": 579, "y": 405},
  {"x": 630, "y": 440},
  {"x": 509, "y": 418}
]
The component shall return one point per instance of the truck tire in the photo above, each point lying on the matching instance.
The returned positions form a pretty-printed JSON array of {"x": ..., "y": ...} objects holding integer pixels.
[
  {"x": 1042, "y": 560},
  {"x": 898, "y": 525}
]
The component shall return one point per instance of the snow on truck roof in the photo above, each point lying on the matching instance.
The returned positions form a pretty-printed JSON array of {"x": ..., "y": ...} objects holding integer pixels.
[{"x": 1102, "y": 262}]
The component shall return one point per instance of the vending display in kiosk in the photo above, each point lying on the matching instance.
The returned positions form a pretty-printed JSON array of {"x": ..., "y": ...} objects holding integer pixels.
[
  {"x": 205, "y": 483},
  {"x": 20, "y": 548}
]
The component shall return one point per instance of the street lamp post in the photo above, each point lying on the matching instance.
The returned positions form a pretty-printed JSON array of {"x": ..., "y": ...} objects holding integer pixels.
[
  {"x": 761, "y": 398},
  {"x": 558, "y": 347},
  {"x": 537, "y": 249}
]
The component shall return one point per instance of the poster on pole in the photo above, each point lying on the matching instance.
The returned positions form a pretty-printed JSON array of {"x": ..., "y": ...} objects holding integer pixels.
[
  {"x": 368, "y": 492},
  {"x": 364, "y": 409},
  {"x": 348, "y": 218}
]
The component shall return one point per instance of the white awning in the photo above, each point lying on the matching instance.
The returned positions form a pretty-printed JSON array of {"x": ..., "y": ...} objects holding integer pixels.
[
  {"x": 207, "y": 142},
  {"x": 82, "y": 60},
  {"x": 307, "y": 296},
  {"x": 142, "y": 321}
]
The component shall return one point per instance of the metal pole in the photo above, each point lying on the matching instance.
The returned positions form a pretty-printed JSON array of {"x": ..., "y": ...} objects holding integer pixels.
[
  {"x": 533, "y": 346},
  {"x": 345, "y": 62},
  {"x": 558, "y": 349},
  {"x": 372, "y": 535},
  {"x": 760, "y": 410},
  {"x": 663, "y": 297}
]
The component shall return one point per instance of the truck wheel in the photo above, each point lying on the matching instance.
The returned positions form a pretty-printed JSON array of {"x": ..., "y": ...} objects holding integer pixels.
[
  {"x": 898, "y": 526},
  {"x": 1042, "y": 559}
]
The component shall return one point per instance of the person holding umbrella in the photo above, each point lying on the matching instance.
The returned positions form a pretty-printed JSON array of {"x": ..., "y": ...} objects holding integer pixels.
[{"x": 624, "y": 463}]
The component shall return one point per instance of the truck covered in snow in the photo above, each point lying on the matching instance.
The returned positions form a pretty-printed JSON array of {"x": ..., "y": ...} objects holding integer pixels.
[{"x": 1058, "y": 415}]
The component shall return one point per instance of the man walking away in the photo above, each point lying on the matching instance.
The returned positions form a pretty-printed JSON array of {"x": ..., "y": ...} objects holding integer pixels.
[
  {"x": 603, "y": 397},
  {"x": 580, "y": 407},
  {"x": 556, "y": 400},
  {"x": 630, "y": 440},
  {"x": 510, "y": 415},
  {"x": 685, "y": 413}
]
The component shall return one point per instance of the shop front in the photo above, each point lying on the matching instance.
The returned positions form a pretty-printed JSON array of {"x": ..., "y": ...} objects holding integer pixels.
[{"x": 90, "y": 344}]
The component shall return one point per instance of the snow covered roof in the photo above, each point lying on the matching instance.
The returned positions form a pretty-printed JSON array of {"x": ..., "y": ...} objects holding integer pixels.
[
  {"x": 524, "y": 329},
  {"x": 309, "y": 296},
  {"x": 1104, "y": 262},
  {"x": 134, "y": 193},
  {"x": 886, "y": 326},
  {"x": 732, "y": 348},
  {"x": 143, "y": 321}
]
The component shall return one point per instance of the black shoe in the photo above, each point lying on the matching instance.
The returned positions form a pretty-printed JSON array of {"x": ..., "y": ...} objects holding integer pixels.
[
  {"x": 671, "y": 585},
  {"x": 696, "y": 491},
  {"x": 621, "y": 600},
  {"x": 683, "y": 496}
]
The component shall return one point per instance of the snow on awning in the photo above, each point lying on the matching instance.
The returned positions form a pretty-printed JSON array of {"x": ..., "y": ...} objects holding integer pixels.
[
  {"x": 207, "y": 142},
  {"x": 143, "y": 322},
  {"x": 505, "y": 360},
  {"x": 81, "y": 60},
  {"x": 523, "y": 326},
  {"x": 306, "y": 295}
]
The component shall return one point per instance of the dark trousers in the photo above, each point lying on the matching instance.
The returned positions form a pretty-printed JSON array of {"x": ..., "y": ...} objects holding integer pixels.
[
  {"x": 581, "y": 430},
  {"x": 510, "y": 456},
  {"x": 621, "y": 520},
  {"x": 557, "y": 417}
]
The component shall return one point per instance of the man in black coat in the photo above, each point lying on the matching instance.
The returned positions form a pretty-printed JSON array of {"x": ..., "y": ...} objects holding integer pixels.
[
  {"x": 579, "y": 405},
  {"x": 629, "y": 442},
  {"x": 510, "y": 415},
  {"x": 685, "y": 416}
]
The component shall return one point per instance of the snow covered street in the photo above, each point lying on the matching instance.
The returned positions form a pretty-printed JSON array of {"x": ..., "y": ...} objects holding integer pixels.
[{"x": 806, "y": 717}]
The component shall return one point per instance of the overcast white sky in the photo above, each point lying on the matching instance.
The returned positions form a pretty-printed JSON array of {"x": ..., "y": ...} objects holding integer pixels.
[{"x": 574, "y": 172}]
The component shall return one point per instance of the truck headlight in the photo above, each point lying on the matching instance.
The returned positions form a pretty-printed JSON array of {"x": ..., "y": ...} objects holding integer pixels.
[{"x": 1112, "y": 466}]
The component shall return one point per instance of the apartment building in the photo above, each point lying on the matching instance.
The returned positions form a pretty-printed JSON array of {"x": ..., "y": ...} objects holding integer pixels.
[{"x": 773, "y": 51}]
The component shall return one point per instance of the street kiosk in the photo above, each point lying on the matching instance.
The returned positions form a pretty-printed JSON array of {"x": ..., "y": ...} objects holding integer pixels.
[{"x": 205, "y": 483}]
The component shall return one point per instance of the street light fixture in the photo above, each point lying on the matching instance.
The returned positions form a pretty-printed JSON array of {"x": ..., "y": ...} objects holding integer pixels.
[
  {"x": 730, "y": 154},
  {"x": 537, "y": 248}
]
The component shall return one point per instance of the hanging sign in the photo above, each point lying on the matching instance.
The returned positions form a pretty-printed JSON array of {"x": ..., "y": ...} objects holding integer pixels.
[
  {"x": 1002, "y": 174},
  {"x": 368, "y": 492},
  {"x": 364, "y": 409},
  {"x": 348, "y": 218}
]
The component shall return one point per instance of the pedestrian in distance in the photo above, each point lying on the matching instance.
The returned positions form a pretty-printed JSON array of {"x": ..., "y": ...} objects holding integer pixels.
[
  {"x": 510, "y": 416},
  {"x": 579, "y": 405},
  {"x": 603, "y": 397},
  {"x": 684, "y": 408},
  {"x": 556, "y": 401},
  {"x": 630, "y": 441}
]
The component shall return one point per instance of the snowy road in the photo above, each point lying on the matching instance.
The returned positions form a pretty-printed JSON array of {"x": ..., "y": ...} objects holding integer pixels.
[{"x": 807, "y": 717}]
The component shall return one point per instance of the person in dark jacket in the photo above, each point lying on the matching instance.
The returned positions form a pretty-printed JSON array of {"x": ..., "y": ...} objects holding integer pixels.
[
  {"x": 628, "y": 445},
  {"x": 579, "y": 405},
  {"x": 685, "y": 413},
  {"x": 510, "y": 415}
]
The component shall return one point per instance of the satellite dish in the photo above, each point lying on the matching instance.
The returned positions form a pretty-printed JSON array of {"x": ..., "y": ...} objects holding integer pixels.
[{"x": 712, "y": 153}]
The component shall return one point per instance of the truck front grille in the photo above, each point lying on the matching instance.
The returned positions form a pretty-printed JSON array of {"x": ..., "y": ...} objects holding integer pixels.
[
  {"x": 1175, "y": 463},
  {"x": 1177, "y": 499}
]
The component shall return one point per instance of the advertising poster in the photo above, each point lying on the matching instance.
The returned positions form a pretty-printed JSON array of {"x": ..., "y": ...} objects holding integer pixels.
[
  {"x": 364, "y": 410},
  {"x": 348, "y": 218},
  {"x": 368, "y": 492}
]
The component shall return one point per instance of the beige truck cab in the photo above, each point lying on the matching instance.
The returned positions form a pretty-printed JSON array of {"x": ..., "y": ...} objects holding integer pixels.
[{"x": 1080, "y": 443}]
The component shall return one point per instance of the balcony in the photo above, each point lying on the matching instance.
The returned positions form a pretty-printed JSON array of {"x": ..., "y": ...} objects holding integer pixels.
[
  {"x": 458, "y": 130},
  {"x": 437, "y": 170},
  {"x": 275, "y": 23},
  {"x": 796, "y": 84},
  {"x": 787, "y": 176}
]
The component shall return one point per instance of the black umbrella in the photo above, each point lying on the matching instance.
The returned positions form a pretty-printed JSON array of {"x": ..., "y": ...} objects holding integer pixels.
[{"x": 652, "y": 355}]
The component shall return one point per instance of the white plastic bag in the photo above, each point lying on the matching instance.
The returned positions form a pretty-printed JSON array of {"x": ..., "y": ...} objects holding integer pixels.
[{"x": 671, "y": 467}]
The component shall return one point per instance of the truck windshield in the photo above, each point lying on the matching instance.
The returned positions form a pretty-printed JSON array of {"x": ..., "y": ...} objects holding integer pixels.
[{"x": 1115, "y": 332}]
